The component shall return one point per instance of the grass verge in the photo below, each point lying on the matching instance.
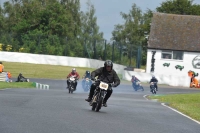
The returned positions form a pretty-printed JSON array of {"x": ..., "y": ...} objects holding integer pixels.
[
  {"x": 188, "y": 104},
  {"x": 41, "y": 71},
  {"x": 4, "y": 85}
]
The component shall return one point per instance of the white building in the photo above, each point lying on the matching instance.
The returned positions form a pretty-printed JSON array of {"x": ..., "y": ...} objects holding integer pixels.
[{"x": 176, "y": 41}]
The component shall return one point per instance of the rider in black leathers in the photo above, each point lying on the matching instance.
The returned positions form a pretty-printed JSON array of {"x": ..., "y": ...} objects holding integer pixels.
[
  {"x": 155, "y": 82},
  {"x": 105, "y": 74},
  {"x": 20, "y": 78}
]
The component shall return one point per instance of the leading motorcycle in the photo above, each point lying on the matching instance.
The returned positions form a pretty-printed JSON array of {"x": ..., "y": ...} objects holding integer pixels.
[{"x": 99, "y": 95}]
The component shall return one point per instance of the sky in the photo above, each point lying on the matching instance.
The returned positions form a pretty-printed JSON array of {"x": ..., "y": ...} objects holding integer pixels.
[{"x": 108, "y": 11}]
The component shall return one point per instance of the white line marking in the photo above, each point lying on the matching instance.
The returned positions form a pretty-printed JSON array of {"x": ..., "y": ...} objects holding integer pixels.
[
  {"x": 5, "y": 89},
  {"x": 175, "y": 111},
  {"x": 145, "y": 97},
  {"x": 180, "y": 113}
]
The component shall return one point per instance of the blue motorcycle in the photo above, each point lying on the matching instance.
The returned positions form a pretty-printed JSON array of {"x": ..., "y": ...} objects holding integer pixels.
[
  {"x": 137, "y": 86},
  {"x": 86, "y": 83}
]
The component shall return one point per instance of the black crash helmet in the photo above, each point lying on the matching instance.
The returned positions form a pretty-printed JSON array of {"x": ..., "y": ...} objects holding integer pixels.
[{"x": 108, "y": 63}]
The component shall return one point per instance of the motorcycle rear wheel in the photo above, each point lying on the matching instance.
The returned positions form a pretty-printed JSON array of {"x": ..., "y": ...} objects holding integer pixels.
[{"x": 154, "y": 91}]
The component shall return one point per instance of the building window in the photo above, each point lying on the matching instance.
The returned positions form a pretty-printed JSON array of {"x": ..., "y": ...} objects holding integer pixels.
[
  {"x": 166, "y": 54},
  {"x": 176, "y": 55}
]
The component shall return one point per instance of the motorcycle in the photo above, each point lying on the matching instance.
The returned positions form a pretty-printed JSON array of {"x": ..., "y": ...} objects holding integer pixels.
[
  {"x": 137, "y": 86},
  {"x": 99, "y": 95},
  {"x": 153, "y": 88},
  {"x": 72, "y": 81},
  {"x": 87, "y": 84},
  {"x": 24, "y": 80}
]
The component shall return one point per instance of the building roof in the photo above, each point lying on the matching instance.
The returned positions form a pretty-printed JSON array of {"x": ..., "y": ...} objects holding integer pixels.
[{"x": 175, "y": 32}]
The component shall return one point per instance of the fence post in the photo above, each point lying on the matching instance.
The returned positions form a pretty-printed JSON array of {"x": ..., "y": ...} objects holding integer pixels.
[
  {"x": 140, "y": 56},
  {"x": 94, "y": 56},
  {"x": 39, "y": 45},
  {"x": 113, "y": 52},
  {"x": 120, "y": 52},
  {"x": 85, "y": 48},
  {"x": 105, "y": 51},
  {"x": 131, "y": 55}
]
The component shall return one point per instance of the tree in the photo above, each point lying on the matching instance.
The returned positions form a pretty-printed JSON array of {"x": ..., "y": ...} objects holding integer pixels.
[
  {"x": 131, "y": 33},
  {"x": 38, "y": 23},
  {"x": 91, "y": 37},
  {"x": 146, "y": 28},
  {"x": 183, "y": 7},
  {"x": 1, "y": 19}
]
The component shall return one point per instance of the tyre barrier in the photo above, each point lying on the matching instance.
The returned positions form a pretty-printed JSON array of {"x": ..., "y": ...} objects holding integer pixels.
[
  {"x": 41, "y": 86},
  {"x": 2, "y": 77}
]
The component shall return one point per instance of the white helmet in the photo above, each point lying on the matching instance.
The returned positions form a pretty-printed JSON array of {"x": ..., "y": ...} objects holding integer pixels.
[{"x": 73, "y": 69}]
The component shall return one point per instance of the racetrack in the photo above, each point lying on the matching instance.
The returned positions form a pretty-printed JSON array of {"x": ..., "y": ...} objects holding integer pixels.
[{"x": 57, "y": 111}]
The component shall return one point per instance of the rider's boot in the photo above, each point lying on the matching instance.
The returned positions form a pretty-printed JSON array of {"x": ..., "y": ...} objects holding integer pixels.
[
  {"x": 88, "y": 99},
  {"x": 104, "y": 103}
]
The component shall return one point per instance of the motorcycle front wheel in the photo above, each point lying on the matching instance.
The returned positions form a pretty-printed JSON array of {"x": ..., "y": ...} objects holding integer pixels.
[
  {"x": 141, "y": 87},
  {"x": 99, "y": 104},
  {"x": 94, "y": 104}
]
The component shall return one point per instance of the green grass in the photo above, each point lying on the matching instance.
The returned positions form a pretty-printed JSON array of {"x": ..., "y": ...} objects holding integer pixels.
[
  {"x": 41, "y": 71},
  {"x": 188, "y": 104},
  {"x": 4, "y": 85}
]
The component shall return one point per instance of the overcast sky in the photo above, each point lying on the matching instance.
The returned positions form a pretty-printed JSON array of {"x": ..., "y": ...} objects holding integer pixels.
[{"x": 108, "y": 11}]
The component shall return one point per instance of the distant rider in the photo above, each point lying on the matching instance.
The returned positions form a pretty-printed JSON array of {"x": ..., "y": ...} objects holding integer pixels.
[
  {"x": 153, "y": 79},
  {"x": 73, "y": 74},
  {"x": 20, "y": 78},
  {"x": 86, "y": 75},
  {"x": 134, "y": 80}
]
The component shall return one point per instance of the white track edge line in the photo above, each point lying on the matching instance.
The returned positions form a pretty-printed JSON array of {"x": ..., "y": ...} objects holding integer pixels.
[
  {"x": 180, "y": 113},
  {"x": 176, "y": 111}
]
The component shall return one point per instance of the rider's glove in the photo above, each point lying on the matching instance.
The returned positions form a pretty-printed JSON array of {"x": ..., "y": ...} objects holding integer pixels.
[{"x": 111, "y": 85}]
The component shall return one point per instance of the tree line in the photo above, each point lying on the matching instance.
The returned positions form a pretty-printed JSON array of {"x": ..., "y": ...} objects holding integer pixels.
[{"x": 59, "y": 27}]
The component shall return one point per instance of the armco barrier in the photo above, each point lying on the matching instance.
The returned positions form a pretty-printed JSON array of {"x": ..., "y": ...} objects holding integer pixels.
[
  {"x": 41, "y": 86},
  {"x": 55, "y": 60},
  {"x": 3, "y": 77},
  {"x": 172, "y": 80}
]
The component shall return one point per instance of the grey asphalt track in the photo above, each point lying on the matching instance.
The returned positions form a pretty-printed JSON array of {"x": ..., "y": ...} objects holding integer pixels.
[{"x": 57, "y": 111}]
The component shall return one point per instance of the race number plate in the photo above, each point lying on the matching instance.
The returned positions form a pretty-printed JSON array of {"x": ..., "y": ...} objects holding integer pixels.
[{"x": 103, "y": 86}]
